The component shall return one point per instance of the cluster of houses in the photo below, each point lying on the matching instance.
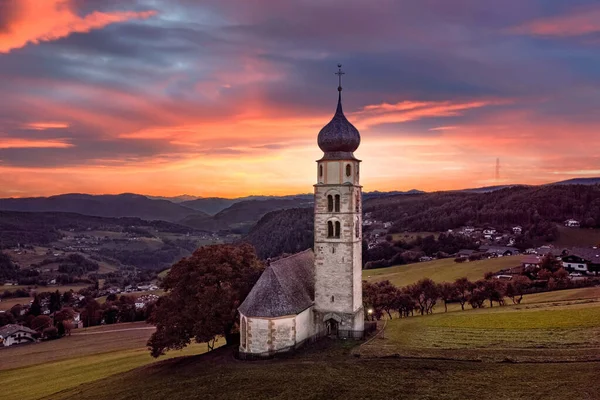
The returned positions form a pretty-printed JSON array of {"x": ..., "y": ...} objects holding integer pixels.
[
  {"x": 490, "y": 235},
  {"x": 144, "y": 300},
  {"x": 578, "y": 261},
  {"x": 128, "y": 289},
  {"x": 377, "y": 231},
  {"x": 13, "y": 334}
]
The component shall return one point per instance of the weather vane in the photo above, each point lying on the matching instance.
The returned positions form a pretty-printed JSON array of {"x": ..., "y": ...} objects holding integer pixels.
[{"x": 339, "y": 74}]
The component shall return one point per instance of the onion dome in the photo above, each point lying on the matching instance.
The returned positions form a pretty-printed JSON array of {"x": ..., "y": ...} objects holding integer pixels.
[{"x": 339, "y": 138}]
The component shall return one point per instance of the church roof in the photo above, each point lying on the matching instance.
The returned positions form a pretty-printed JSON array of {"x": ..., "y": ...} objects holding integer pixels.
[{"x": 286, "y": 287}]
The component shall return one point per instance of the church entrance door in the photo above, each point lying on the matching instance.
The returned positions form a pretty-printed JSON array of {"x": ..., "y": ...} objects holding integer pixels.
[{"x": 332, "y": 327}]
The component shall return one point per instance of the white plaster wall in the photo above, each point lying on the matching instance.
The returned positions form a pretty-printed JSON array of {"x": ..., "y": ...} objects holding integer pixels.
[
  {"x": 333, "y": 172},
  {"x": 304, "y": 325},
  {"x": 357, "y": 276}
]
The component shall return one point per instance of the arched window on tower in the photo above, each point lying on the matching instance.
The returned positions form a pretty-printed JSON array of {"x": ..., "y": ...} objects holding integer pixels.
[
  {"x": 330, "y": 229},
  {"x": 330, "y": 203},
  {"x": 337, "y": 229},
  {"x": 348, "y": 170},
  {"x": 243, "y": 333},
  {"x": 337, "y": 203},
  {"x": 321, "y": 171}
]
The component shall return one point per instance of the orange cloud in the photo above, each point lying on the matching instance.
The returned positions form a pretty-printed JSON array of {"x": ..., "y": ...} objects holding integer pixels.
[
  {"x": 32, "y": 144},
  {"x": 581, "y": 22},
  {"x": 38, "y": 21},
  {"x": 405, "y": 111},
  {"x": 42, "y": 126}
]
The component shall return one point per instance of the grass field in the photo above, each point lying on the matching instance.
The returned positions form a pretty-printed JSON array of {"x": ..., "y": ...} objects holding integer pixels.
[
  {"x": 454, "y": 355},
  {"x": 443, "y": 270},
  {"x": 61, "y": 288},
  {"x": 551, "y": 331},
  {"x": 43, "y": 369},
  {"x": 7, "y": 304},
  {"x": 328, "y": 371}
]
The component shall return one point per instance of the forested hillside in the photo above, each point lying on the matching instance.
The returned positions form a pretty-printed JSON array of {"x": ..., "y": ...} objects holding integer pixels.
[
  {"x": 518, "y": 205},
  {"x": 282, "y": 231},
  {"x": 42, "y": 228},
  {"x": 537, "y": 209},
  {"x": 122, "y": 205}
]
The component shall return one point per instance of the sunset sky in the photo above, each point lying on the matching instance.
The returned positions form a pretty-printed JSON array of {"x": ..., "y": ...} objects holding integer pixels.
[{"x": 226, "y": 97}]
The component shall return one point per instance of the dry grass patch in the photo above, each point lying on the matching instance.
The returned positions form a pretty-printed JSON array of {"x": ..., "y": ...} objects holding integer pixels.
[{"x": 444, "y": 270}]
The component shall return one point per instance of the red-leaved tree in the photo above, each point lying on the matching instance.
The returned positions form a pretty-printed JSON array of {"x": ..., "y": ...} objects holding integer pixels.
[{"x": 203, "y": 293}]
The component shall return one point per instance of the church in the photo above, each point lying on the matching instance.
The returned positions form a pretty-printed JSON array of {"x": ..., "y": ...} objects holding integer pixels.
[{"x": 316, "y": 293}]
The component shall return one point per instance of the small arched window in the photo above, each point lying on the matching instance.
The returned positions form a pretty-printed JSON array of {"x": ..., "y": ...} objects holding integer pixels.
[
  {"x": 357, "y": 168},
  {"x": 348, "y": 170},
  {"x": 337, "y": 203},
  {"x": 337, "y": 229},
  {"x": 330, "y": 229},
  {"x": 243, "y": 333},
  {"x": 321, "y": 171},
  {"x": 330, "y": 203},
  {"x": 332, "y": 299}
]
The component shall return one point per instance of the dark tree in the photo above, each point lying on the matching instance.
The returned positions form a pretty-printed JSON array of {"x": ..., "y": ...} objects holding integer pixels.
[
  {"x": 464, "y": 287},
  {"x": 425, "y": 293},
  {"x": 6, "y": 318},
  {"x": 515, "y": 289},
  {"x": 494, "y": 290},
  {"x": 91, "y": 312},
  {"x": 55, "y": 302},
  {"x": 203, "y": 293},
  {"x": 550, "y": 263},
  {"x": 36, "y": 307},
  {"x": 448, "y": 293},
  {"x": 41, "y": 322}
]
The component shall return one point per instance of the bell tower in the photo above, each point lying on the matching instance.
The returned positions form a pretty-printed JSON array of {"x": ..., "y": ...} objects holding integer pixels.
[{"x": 338, "y": 228}]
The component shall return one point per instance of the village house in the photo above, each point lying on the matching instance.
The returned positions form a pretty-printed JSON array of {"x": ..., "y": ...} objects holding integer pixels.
[
  {"x": 517, "y": 230},
  {"x": 572, "y": 223},
  {"x": 581, "y": 259},
  {"x": 489, "y": 231},
  {"x": 499, "y": 251},
  {"x": 468, "y": 229},
  {"x": 16, "y": 334},
  {"x": 531, "y": 261},
  {"x": 465, "y": 253}
]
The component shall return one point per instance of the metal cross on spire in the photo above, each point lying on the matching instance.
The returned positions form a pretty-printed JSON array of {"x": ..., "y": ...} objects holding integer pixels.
[{"x": 339, "y": 74}]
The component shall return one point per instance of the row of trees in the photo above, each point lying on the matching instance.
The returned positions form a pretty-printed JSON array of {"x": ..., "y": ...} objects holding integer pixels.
[{"x": 421, "y": 297}]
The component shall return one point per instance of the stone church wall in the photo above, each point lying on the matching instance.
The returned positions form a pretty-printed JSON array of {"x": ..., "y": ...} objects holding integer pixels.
[{"x": 266, "y": 335}]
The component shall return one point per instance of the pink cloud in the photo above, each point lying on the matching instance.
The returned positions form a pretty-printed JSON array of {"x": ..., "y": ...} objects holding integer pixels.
[
  {"x": 580, "y": 22},
  {"x": 405, "y": 111},
  {"x": 42, "y": 126},
  {"x": 9, "y": 143},
  {"x": 37, "y": 21}
]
